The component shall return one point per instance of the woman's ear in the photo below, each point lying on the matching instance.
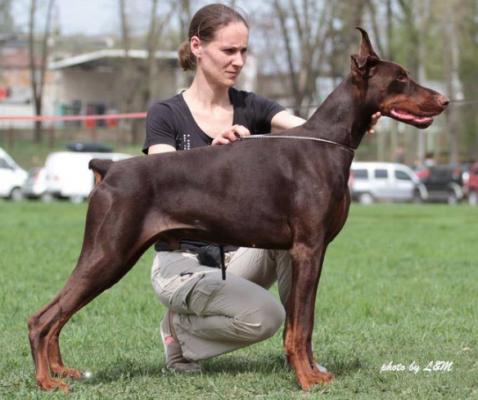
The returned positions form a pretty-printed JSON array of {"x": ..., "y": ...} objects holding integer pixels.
[{"x": 195, "y": 44}]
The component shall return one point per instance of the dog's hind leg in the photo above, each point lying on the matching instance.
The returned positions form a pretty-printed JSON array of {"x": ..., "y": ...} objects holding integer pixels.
[
  {"x": 112, "y": 245},
  {"x": 307, "y": 264},
  {"x": 45, "y": 326}
]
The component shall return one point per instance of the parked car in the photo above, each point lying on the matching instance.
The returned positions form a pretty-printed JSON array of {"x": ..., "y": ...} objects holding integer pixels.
[
  {"x": 12, "y": 177},
  {"x": 379, "y": 181},
  {"x": 67, "y": 174},
  {"x": 87, "y": 147},
  {"x": 471, "y": 185},
  {"x": 443, "y": 183},
  {"x": 35, "y": 185}
]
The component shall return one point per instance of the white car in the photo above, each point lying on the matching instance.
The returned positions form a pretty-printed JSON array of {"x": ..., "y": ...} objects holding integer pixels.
[
  {"x": 380, "y": 181},
  {"x": 67, "y": 174},
  {"x": 35, "y": 185},
  {"x": 12, "y": 177}
]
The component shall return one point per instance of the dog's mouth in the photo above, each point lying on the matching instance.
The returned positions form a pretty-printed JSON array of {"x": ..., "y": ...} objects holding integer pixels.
[{"x": 420, "y": 121}]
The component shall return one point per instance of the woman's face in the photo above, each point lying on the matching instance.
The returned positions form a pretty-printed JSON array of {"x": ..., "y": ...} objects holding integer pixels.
[{"x": 222, "y": 59}]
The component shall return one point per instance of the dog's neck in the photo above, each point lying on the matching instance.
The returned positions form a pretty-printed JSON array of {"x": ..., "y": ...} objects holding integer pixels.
[{"x": 343, "y": 117}]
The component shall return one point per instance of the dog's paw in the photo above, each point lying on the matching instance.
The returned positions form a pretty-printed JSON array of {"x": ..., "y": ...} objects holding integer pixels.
[
  {"x": 316, "y": 377},
  {"x": 53, "y": 384}
]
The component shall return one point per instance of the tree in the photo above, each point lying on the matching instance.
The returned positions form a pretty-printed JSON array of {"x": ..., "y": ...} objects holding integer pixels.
[
  {"x": 185, "y": 15},
  {"x": 303, "y": 31},
  {"x": 450, "y": 61},
  {"x": 467, "y": 71},
  {"x": 38, "y": 60},
  {"x": 138, "y": 75}
]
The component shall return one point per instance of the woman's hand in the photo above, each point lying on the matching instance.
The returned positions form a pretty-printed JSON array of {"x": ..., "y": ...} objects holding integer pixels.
[
  {"x": 232, "y": 134},
  {"x": 373, "y": 122}
]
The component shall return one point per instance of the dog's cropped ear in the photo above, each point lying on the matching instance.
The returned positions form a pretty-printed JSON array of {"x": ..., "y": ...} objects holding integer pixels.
[
  {"x": 364, "y": 62},
  {"x": 366, "y": 48}
]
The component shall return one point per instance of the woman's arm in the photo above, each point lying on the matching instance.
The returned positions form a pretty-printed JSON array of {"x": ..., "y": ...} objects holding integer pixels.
[
  {"x": 160, "y": 148},
  {"x": 285, "y": 120}
]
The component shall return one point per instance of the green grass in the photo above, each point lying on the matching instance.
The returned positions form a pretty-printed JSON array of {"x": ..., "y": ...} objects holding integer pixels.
[{"x": 399, "y": 284}]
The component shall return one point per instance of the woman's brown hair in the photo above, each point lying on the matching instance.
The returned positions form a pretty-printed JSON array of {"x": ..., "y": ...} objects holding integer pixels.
[{"x": 204, "y": 24}]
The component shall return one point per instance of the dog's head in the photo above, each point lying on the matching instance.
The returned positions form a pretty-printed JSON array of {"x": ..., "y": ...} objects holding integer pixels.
[{"x": 388, "y": 88}]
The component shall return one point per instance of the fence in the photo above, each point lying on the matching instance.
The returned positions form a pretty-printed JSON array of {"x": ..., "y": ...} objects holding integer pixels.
[{"x": 111, "y": 127}]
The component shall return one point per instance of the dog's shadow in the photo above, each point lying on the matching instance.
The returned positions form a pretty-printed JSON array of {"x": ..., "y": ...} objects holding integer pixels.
[{"x": 231, "y": 365}]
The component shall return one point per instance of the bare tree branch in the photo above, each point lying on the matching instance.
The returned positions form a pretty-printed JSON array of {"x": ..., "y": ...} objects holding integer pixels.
[
  {"x": 376, "y": 32},
  {"x": 185, "y": 17},
  {"x": 38, "y": 64},
  {"x": 289, "y": 55},
  {"x": 303, "y": 26},
  {"x": 138, "y": 75}
]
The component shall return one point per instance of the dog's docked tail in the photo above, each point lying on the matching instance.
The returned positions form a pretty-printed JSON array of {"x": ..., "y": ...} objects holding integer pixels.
[{"x": 100, "y": 168}]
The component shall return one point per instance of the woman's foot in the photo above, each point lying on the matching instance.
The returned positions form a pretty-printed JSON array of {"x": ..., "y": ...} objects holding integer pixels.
[{"x": 172, "y": 349}]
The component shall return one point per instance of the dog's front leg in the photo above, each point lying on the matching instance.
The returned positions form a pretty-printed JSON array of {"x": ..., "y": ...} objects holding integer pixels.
[{"x": 307, "y": 264}]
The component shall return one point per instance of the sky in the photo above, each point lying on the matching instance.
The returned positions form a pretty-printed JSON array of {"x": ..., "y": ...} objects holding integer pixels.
[
  {"x": 92, "y": 17},
  {"x": 77, "y": 16},
  {"x": 101, "y": 17}
]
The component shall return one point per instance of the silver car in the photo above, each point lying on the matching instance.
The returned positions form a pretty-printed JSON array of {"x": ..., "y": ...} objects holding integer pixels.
[{"x": 380, "y": 181}]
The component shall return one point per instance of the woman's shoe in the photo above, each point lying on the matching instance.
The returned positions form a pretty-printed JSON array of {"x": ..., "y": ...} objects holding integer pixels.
[{"x": 172, "y": 349}]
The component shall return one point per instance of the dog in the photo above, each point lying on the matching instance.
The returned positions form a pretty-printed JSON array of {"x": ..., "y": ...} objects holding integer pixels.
[{"x": 289, "y": 194}]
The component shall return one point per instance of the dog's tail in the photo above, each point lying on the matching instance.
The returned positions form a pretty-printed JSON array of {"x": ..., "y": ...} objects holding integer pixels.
[{"x": 100, "y": 168}]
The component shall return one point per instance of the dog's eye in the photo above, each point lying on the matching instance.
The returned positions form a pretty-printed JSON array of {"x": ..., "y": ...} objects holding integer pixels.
[{"x": 402, "y": 77}]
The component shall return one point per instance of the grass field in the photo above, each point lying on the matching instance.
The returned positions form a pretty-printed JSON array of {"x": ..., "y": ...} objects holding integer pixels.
[{"x": 400, "y": 285}]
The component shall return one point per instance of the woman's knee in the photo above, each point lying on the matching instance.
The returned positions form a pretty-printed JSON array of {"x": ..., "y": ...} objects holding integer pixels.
[
  {"x": 265, "y": 321},
  {"x": 273, "y": 317}
]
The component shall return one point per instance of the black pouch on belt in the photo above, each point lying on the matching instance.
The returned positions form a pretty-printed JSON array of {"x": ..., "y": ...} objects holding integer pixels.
[{"x": 210, "y": 256}]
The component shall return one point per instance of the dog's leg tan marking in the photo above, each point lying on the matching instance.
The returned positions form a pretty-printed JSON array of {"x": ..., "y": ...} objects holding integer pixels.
[{"x": 54, "y": 355}]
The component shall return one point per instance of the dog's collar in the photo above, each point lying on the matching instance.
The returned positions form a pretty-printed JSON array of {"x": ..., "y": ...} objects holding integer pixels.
[{"x": 341, "y": 145}]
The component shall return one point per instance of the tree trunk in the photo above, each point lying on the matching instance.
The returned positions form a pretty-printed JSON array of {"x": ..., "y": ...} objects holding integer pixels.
[
  {"x": 451, "y": 75},
  {"x": 38, "y": 65}
]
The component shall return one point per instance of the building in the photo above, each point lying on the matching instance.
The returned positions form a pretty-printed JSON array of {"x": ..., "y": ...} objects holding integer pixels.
[{"x": 96, "y": 83}]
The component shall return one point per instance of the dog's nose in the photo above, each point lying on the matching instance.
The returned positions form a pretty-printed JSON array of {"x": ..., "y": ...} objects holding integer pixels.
[{"x": 443, "y": 100}]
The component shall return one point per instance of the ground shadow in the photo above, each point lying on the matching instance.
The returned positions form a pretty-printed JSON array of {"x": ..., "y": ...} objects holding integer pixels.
[
  {"x": 127, "y": 368},
  {"x": 268, "y": 364}
]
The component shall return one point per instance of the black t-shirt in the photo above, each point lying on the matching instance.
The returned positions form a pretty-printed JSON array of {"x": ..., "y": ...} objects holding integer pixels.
[{"x": 171, "y": 122}]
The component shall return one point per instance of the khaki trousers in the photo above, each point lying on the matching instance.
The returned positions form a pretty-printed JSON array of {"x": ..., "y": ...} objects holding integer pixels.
[{"x": 213, "y": 316}]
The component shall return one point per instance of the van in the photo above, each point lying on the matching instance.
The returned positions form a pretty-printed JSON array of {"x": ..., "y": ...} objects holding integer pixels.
[
  {"x": 12, "y": 177},
  {"x": 380, "y": 181},
  {"x": 67, "y": 174}
]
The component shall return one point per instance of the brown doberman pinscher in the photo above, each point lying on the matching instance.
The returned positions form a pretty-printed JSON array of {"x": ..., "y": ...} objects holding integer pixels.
[{"x": 277, "y": 194}]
